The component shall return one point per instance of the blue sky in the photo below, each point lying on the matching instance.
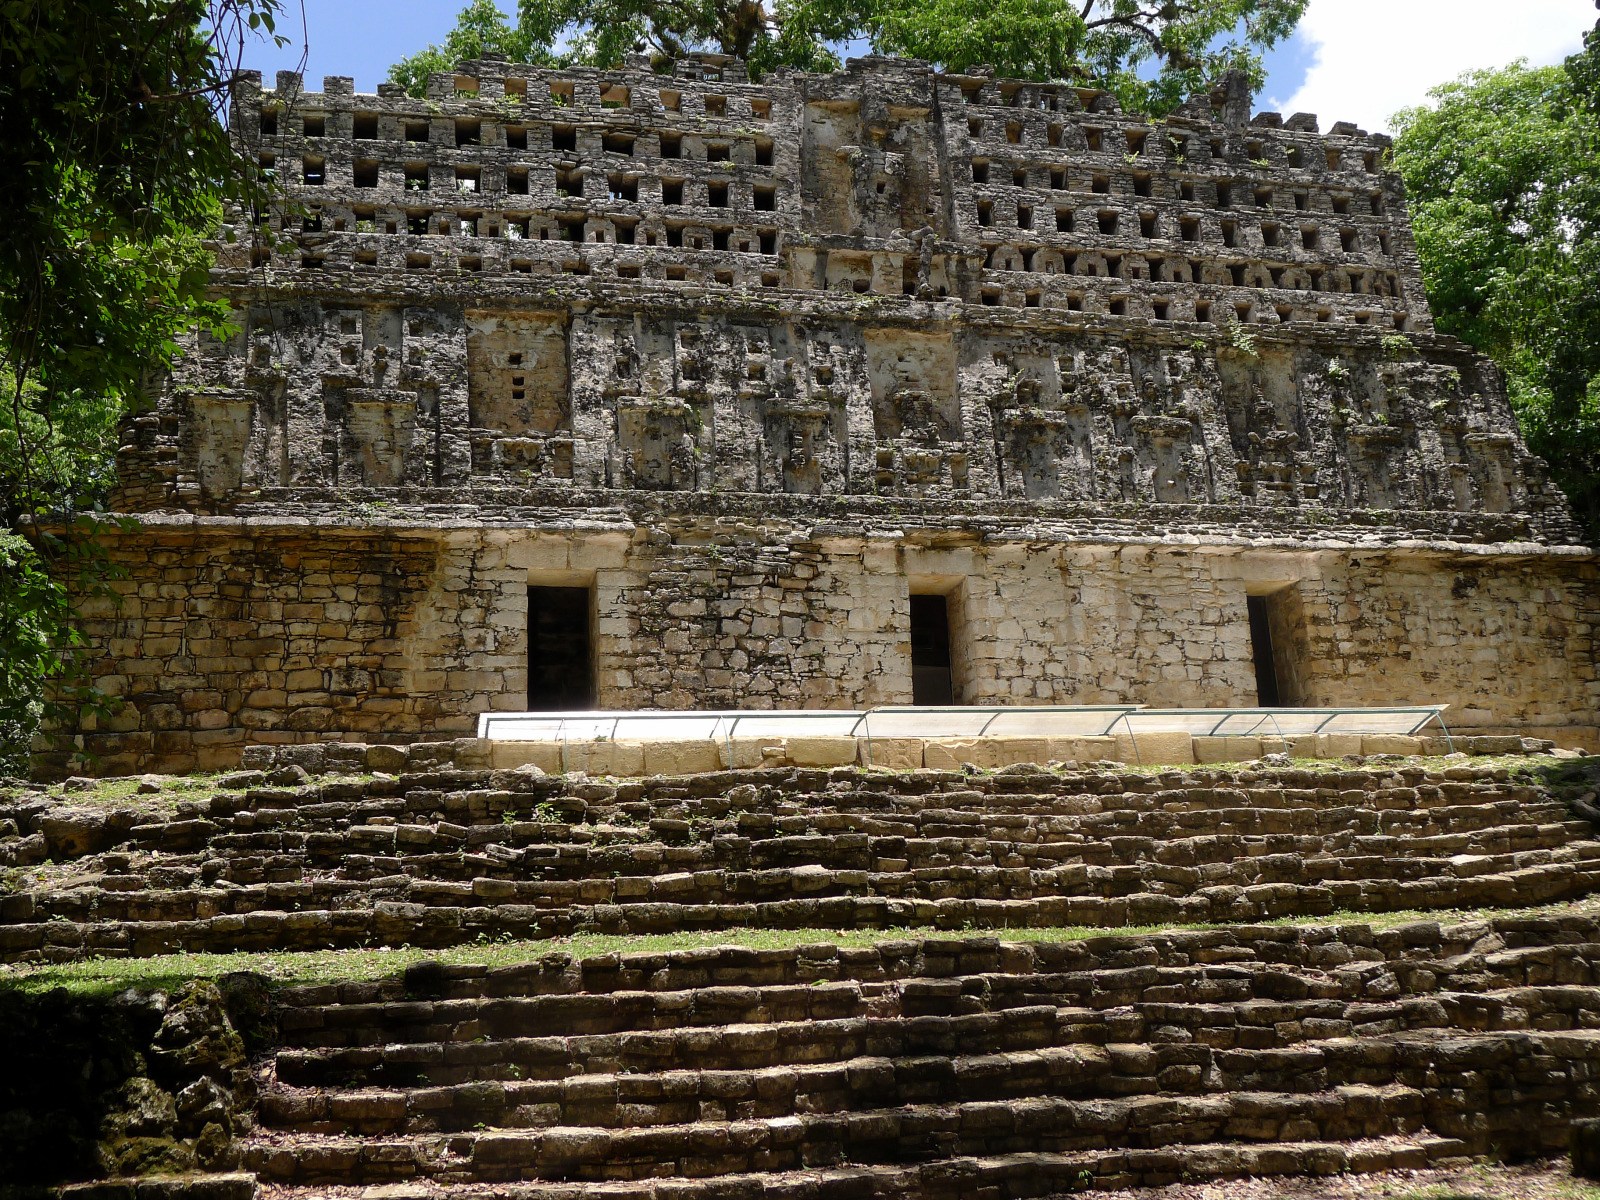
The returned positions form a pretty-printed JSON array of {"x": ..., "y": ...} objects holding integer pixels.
[{"x": 1357, "y": 60}]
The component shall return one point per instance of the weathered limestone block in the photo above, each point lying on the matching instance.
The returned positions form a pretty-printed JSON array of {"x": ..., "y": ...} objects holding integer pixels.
[
  {"x": 1082, "y": 749},
  {"x": 1390, "y": 744},
  {"x": 606, "y": 757},
  {"x": 1227, "y": 749},
  {"x": 74, "y": 832},
  {"x": 470, "y": 754},
  {"x": 680, "y": 758},
  {"x": 389, "y": 759},
  {"x": 1337, "y": 745},
  {"x": 740, "y": 752},
  {"x": 1010, "y": 751},
  {"x": 951, "y": 754},
  {"x": 822, "y": 751},
  {"x": 544, "y": 755},
  {"x": 1175, "y": 748},
  {"x": 895, "y": 754}
]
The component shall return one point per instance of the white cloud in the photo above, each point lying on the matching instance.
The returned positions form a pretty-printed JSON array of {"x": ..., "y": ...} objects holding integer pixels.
[{"x": 1374, "y": 57}]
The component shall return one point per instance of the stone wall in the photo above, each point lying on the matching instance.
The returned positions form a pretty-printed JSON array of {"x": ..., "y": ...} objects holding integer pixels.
[
  {"x": 225, "y": 638},
  {"x": 211, "y": 642},
  {"x": 826, "y": 398},
  {"x": 142, "y": 1083}
]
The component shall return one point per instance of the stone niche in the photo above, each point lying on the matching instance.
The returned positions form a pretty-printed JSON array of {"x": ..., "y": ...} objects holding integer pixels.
[
  {"x": 381, "y": 427},
  {"x": 224, "y": 424},
  {"x": 1043, "y": 430},
  {"x": 916, "y": 412},
  {"x": 1269, "y": 429},
  {"x": 784, "y": 405},
  {"x": 1174, "y": 398},
  {"x": 312, "y": 394},
  {"x": 830, "y": 134},
  {"x": 659, "y": 442},
  {"x": 652, "y": 375},
  {"x": 518, "y": 394}
]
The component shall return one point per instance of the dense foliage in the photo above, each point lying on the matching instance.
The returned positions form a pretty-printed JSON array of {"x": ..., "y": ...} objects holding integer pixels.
[
  {"x": 113, "y": 160},
  {"x": 1503, "y": 172},
  {"x": 481, "y": 28},
  {"x": 1153, "y": 53}
]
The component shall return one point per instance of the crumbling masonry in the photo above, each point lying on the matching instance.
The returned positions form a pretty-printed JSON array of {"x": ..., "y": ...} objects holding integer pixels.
[{"x": 626, "y": 389}]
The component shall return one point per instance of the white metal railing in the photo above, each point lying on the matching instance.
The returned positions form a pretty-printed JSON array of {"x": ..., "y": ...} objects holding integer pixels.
[{"x": 946, "y": 722}]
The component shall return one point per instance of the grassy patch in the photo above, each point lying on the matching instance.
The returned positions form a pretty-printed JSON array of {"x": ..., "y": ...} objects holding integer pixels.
[
  {"x": 122, "y": 791},
  {"x": 103, "y": 976}
]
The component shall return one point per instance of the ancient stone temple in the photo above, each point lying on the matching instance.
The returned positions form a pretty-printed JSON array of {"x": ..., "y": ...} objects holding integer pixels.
[{"x": 619, "y": 389}]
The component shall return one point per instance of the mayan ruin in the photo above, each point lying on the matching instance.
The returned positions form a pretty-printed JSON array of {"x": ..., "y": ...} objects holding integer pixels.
[
  {"x": 768, "y": 371},
  {"x": 804, "y": 417}
]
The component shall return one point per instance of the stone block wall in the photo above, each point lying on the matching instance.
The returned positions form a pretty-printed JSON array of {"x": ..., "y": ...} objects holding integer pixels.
[
  {"x": 206, "y": 643},
  {"x": 233, "y": 638}
]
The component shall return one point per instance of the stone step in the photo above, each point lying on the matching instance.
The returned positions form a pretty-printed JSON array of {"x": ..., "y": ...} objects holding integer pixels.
[
  {"x": 891, "y": 958},
  {"x": 478, "y": 798},
  {"x": 1346, "y": 875},
  {"x": 906, "y": 1133},
  {"x": 1247, "y": 1022},
  {"x": 97, "y": 902},
  {"x": 231, "y": 1185},
  {"x": 799, "y": 816},
  {"x": 582, "y": 849},
  {"x": 1188, "y": 964},
  {"x": 783, "y": 809},
  {"x": 1420, "y": 1060},
  {"x": 502, "y": 850},
  {"x": 445, "y": 850},
  {"x": 1171, "y": 996},
  {"x": 403, "y": 923},
  {"x": 688, "y": 1096},
  {"x": 478, "y": 794},
  {"x": 392, "y": 1063},
  {"x": 165, "y": 893},
  {"x": 1022, "y": 1174},
  {"x": 390, "y": 1058}
]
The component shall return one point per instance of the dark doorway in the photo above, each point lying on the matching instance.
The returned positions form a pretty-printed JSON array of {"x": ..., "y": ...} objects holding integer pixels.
[
  {"x": 560, "y": 658},
  {"x": 1261, "y": 649},
  {"x": 930, "y": 651}
]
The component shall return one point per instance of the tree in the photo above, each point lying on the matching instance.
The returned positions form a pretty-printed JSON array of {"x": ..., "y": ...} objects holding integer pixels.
[
  {"x": 1503, "y": 173},
  {"x": 1153, "y": 53},
  {"x": 481, "y": 28},
  {"x": 113, "y": 165}
]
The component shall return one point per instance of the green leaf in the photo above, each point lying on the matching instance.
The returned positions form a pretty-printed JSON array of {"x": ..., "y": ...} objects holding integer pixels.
[
  {"x": 1503, "y": 176},
  {"x": 1153, "y": 53}
]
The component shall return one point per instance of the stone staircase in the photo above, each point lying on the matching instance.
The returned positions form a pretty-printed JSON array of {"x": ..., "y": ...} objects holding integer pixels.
[
  {"x": 966, "y": 1067},
  {"x": 961, "y": 1066},
  {"x": 450, "y": 856}
]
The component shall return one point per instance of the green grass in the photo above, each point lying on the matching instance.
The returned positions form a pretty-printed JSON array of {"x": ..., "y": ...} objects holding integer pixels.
[
  {"x": 105, "y": 976},
  {"x": 123, "y": 790}
]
